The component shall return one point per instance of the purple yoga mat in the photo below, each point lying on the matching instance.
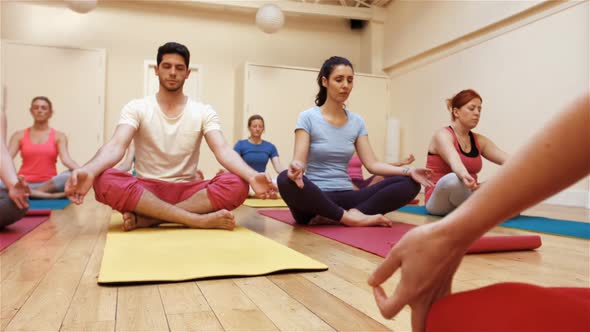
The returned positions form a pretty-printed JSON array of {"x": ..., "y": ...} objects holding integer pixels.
[
  {"x": 379, "y": 240},
  {"x": 13, "y": 232}
]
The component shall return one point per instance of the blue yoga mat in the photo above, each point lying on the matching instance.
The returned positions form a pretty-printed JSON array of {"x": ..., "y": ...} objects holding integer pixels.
[
  {"x": 531, "y": 223},
  {"x": 48, "y": 204}
]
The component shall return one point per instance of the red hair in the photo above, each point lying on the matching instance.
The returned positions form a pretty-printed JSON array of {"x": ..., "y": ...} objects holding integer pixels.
[{"x": 460, "y": 99}]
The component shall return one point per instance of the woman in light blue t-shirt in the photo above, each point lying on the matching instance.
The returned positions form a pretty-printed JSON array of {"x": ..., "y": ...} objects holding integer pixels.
[{"x": 316, "y": 186}]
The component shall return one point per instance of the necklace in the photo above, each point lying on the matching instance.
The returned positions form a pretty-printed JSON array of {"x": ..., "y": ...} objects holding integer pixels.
[{"x": 461, "y": 140}]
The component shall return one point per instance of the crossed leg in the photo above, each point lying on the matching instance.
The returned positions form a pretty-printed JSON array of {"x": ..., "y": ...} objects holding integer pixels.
[{"x": 148, "y": 203}]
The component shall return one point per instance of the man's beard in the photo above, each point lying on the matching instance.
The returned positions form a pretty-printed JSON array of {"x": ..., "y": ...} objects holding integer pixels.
[{"x": 175, "y": 89}]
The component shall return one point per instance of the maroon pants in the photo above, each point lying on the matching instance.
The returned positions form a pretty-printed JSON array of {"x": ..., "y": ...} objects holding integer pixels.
[{"x": 122, "y": 191}]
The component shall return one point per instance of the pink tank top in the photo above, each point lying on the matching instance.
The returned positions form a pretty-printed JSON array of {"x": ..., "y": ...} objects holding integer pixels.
[
  {"x": 39, "y": 160},
  {"x": 471, "y": 161},
  {"x": 355, "y": 168}
]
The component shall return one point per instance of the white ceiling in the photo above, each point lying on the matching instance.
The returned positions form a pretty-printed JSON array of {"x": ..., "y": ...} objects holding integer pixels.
[
  {"x": 350, "y": 3},
  {"x": 367, "y": 10}
]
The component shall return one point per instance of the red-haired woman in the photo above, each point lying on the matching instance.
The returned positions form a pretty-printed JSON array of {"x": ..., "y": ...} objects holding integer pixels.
[{"x": 454, "y": 155}]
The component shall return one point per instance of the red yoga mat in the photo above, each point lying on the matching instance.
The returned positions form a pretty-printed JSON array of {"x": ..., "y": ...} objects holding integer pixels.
[
  {"x": 379, "y": 240},
  {"x": 38, "y": 212},
  {"x": 13, "y": 232},
  {"x": 512, "y": 307}
]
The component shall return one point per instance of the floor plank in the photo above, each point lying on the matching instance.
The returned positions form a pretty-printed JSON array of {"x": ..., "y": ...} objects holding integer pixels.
[
  {"x": 48, "y": 280},
  {"x": 233, "y": 308},
  {"x": 187, "y": 309}
]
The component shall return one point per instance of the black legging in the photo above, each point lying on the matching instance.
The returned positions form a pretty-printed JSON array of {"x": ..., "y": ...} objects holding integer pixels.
[{"x": 385, "y": 196}]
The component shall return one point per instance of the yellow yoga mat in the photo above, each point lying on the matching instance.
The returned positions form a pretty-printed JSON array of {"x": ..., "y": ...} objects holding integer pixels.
[
  {"x": 176, "y": 254},
  {"x": 259, "y": 203}
]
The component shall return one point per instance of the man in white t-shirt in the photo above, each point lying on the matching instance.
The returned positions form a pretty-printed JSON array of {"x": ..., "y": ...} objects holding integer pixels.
[{"x": 167, "y": 129}]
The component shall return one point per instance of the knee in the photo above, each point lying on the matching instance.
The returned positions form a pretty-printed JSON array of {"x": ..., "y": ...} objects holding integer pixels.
[
  {"x": 450, "y": 181},
  {"x": 10, "y": 213},
  {"x": 119, "y": 190},
  {"x": 410, "y": 187},
  {"x": 283, "y": 180},
  {"x": 227, "y": 191},
  {"x": 414, "y": 187}
]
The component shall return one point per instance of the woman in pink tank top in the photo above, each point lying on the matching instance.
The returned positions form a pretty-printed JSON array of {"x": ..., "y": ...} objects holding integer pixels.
[
  {"x": 39, "y": 146},
  {"x": 454, "y": 155}
]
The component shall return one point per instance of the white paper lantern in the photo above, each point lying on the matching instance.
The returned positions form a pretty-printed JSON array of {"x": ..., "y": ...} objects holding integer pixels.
[
  {"x": 81, "y": 6},
  {"x": 270, "y": 18}
]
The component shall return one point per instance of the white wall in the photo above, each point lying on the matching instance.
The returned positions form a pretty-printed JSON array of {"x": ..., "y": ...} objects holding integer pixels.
[
  {"x": 220, "y": 41},
  {"x": 371, "y": 47},
  {"x": 413, "y": 26},
  {"x": 525, "y": 76}
]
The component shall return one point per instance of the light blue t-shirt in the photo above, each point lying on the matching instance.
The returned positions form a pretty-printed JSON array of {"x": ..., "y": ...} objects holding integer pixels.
[
  {"x": 256, "y": 155},
  {"x": 330, "y": 148}
]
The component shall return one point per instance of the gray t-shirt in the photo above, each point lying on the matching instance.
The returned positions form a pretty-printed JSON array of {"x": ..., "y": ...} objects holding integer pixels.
[{"x": 330, "y": 148}]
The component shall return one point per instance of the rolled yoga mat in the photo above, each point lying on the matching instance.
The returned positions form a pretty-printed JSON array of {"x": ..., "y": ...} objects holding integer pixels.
[
  {"x": 379, "y": 240},
  {"x": 9, "y": 234},
  {"x": 531, "y": 223},
  {"x": 48, "y": 204},
  {"x": 38, "y": 212},
  {"x": 176, "y": 254}
]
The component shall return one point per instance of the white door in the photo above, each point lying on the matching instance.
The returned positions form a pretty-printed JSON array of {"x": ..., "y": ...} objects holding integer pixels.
[
  {"x": 151, "y": 84},
  {"x": 73, "y": 79}
]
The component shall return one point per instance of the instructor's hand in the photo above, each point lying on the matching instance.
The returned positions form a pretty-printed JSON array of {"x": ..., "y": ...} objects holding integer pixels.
[{"x": 427, "y": 261}]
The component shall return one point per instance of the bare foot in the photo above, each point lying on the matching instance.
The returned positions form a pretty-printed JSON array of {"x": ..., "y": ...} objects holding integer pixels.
[
  {"x": 356, "y": 218},
  {"x": 222, "y": 219},
  {"x": 132, "y": 221}
]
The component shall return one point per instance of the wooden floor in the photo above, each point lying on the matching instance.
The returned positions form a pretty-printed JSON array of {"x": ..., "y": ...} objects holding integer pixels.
[{"x": 48, "y": 281}]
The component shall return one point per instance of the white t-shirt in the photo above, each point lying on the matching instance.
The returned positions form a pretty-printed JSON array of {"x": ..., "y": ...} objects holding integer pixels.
[{"x": 167, "y": 148}]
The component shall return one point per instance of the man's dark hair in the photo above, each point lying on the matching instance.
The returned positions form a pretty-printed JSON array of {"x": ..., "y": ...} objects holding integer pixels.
[{"x": 173, "y": 48}]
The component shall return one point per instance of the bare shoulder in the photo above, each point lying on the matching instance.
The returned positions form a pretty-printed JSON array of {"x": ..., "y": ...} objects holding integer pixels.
[
  {"x": 60, "y": 136},
  {"x": 442, "y": 135},
  {"x": 481, "y": 139}
]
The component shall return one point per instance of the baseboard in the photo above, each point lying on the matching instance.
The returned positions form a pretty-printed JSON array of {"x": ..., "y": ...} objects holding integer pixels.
[{"x": 577, "y": 198}]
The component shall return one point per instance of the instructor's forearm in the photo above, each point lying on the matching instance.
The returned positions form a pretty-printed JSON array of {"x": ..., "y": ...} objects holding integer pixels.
[{"x": 530, "y": 176}]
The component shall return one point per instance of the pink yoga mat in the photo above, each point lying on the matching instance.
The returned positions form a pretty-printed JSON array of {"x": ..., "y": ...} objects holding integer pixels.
[
  {"x": 379, "y": 240},
  {"x": 13, "y": 232}
]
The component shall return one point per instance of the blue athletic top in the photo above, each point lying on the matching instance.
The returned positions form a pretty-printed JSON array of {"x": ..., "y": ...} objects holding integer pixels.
[
  {"x": 330, "y": 148},
  {"x": 256, "y": 155}
]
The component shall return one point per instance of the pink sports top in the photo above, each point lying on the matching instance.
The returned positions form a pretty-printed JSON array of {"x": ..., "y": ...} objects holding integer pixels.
[
  {"x": 471, "y": 161},
  {"x": 355, "y": 168},
  {"x": 39, "y": 160}
]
